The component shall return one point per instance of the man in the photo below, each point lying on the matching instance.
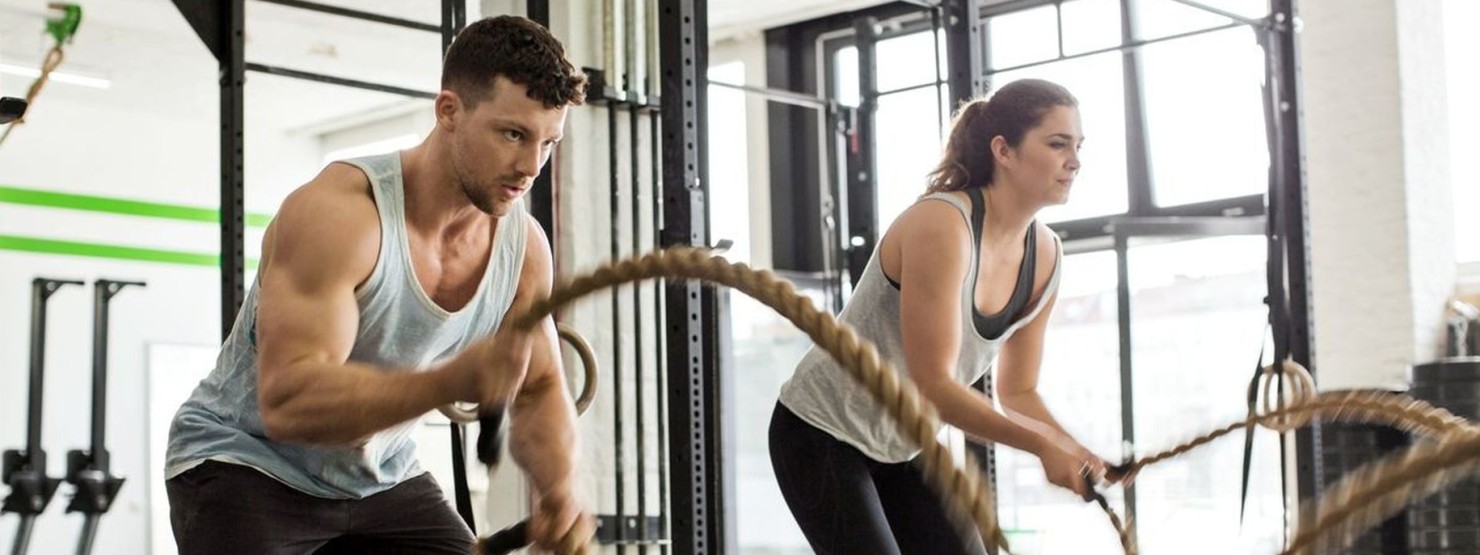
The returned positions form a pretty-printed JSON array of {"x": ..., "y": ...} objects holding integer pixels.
[{"x": 382, "y": 289}]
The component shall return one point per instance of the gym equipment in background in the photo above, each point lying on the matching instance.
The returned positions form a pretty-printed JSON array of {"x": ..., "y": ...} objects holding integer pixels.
[
  {"x": 87, "y": 471},
  {"x": 25, "y": 471}
]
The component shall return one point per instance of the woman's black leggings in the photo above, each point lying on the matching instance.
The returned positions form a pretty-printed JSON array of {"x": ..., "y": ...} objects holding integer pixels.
[{"x": 849, "y": 504}]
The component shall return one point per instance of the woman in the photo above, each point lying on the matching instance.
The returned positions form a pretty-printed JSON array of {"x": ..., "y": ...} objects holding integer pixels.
[{"x": 964, "y": 279}]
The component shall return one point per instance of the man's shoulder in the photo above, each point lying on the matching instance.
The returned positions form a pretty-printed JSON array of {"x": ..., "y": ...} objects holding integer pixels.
[
  {"x": 333, "y": 217},
  {"x": 340, "y": 195}
]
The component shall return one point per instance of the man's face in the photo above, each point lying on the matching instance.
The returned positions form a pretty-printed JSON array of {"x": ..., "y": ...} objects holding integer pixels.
[{"x": 500, "y": 144}]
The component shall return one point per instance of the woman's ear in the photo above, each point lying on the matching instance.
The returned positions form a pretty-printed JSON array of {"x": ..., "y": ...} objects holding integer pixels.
[{"x": 1001, "y": 152}]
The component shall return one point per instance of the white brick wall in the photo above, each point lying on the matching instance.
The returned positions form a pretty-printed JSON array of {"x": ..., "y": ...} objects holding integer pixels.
[{"x": 1377, "y": 147}]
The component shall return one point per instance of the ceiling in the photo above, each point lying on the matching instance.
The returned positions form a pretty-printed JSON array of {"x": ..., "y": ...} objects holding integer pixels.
[{"x": 109, "y": 46}]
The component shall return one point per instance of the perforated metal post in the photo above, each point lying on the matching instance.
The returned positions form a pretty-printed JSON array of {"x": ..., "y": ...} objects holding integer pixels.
[{"x": 697, "y": 523}]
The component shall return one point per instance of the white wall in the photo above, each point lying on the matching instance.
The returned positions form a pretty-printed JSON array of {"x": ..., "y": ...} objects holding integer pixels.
[{"x": 1381, "y": 229}]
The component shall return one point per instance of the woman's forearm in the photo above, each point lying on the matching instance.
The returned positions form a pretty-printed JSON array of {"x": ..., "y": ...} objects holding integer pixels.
[{"x": 974, "y": 415}]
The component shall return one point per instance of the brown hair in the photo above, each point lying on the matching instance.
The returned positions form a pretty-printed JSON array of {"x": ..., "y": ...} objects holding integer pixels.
[
  {"x": 518, "y": 49},
  {"x": 1010, "y": 112}
]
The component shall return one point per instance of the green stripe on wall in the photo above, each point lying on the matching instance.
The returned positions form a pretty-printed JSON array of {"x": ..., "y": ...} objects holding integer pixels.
[
  {"x": 114, "y": 252},
  {"x": 109, "y": 205}
]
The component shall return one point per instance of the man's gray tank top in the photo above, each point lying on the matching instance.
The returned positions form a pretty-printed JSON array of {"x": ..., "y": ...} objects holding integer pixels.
[
  {"x": 400, "y": 328},
  {"x": 826, "y": 396}
]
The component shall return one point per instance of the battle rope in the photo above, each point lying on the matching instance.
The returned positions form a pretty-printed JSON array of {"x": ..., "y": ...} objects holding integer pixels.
[{"x": 1386, "y": 485}]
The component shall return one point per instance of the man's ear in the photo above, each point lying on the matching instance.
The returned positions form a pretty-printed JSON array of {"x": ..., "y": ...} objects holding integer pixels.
[{"x": 448, "y": 107}]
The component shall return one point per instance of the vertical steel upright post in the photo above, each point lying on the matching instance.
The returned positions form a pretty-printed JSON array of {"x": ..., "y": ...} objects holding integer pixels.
[
  {"x": 25, "y": 471},
  {"x": 633, "y": 83},
  {"x": 862, "y": 198},
  {"x": 89, "y": 471},
  {"x": 231, "y": 55},
  {"x": 697, "y": 523},
  {"x": 1288, "y": 157},
  {"x": 542, "y": 194}
]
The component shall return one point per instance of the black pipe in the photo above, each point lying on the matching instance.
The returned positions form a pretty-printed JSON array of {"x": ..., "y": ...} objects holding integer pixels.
[
  {"x": 103, "y": 292},
  {"x": 659, "y": 370},
  {"x": 613, "y": 165},
  {"x": 88, "y": 471},
  {"x": 341, "y": 81},
  {"x": 635, "y": 101},
  {"x": 23, "y": 534},
  {"x": 356, "y": 14},
  {"x": 25, "y": 471},
  {"x": 41, "y": 290}
]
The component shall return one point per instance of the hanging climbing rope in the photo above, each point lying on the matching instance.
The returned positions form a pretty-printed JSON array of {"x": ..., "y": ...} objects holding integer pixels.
[{"x": 62, "y": 26}]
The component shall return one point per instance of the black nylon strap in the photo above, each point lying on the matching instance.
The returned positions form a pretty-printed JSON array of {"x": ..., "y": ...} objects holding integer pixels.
[
  {"x": 1253, "y": 397},
  {"x": 460, "y": 492}
]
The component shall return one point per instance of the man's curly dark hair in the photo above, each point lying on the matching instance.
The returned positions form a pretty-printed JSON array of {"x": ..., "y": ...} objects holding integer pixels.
[{"x": 522, "y": 51}]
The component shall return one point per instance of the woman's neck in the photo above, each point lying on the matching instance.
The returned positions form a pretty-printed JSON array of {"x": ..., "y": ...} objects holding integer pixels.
[{"x": 1008, "y": 214}]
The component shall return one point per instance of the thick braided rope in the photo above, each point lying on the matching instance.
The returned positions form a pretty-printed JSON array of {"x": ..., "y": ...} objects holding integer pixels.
[
  {"x": 1371, "y": 407},
  {"x": 968, "y": 503},
  {"x": 1377, "y": 491}
]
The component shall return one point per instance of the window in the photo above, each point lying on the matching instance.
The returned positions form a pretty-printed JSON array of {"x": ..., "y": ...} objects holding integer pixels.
[
  {"x": 1198, "y": 328},
  {"x": 1031, "y": 36},
  {"x": 1080, "y": 383},
  {"x": 1164, "y": 18},
  {"x": 910, "y": 144},
  {"x": 766, "y": 345},
  {"x": 1100, "y": 189},
  {"x": 1201, "y": 153},
  {"x": 910, "y": 122},
  {"x": 729, "y": 182}
]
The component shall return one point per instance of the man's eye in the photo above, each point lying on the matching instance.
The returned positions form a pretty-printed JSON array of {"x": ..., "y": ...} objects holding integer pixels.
[{"x": 513, "y": 135}]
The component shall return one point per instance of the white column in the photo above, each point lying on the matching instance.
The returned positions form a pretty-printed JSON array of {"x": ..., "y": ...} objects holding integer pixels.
[{"x": 1381, "y": 230}]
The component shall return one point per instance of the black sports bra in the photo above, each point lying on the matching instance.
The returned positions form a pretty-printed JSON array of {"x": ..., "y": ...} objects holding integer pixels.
[{"x": 992, "y": 326}]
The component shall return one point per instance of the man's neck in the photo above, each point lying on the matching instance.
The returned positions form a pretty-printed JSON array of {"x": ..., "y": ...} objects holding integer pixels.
[{"x": 435, "y": 204}]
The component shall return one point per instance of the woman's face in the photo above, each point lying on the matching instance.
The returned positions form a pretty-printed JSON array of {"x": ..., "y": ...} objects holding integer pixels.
[{"x": 1045, "y": 163}]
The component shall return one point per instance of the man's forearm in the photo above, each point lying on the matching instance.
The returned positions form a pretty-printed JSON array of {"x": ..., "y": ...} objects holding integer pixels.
[
  {"x": 542, "y": 435},
  {"x": 332, "y": 404}
]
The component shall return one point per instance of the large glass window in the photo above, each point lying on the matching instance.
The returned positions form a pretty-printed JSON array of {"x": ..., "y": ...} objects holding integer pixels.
[
  {"x": 766, "y": 346},
  {"x": 1080, "y": 383},
  {"x": 911, "y": 117},
  {"x": 1100, "y": 189},
  {"x": 1198, "y": 153},
  {"x": 908, "y": 120},
  {"x": 729, "y": 179},
  {"x": 1164, "y": 18},
  {"x": 1198, "y": 326},
  {"x": 1032, "y": 36}
]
